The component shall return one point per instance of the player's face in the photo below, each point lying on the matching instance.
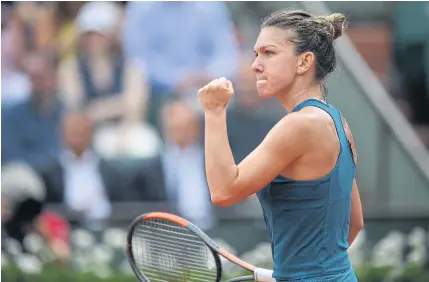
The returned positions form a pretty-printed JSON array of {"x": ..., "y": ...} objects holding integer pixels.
[{"x": 275, "y": 64}]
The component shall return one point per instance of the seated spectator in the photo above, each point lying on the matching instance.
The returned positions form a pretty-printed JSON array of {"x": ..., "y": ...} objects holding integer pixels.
[
  {"x": 110, "y": 88},
  {"x": 79, "y": 178},
  {"x": 31, "y": 128},
  {"x": 182, "y": 46},
  {"x": 177, "y": 174}
]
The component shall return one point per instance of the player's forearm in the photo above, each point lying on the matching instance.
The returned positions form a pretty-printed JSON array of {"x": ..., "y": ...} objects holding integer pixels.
[{"x": 221, "y": 169}]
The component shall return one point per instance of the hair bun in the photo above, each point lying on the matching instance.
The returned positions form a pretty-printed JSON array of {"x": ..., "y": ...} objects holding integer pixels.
[{"x": 338, "y": 24}]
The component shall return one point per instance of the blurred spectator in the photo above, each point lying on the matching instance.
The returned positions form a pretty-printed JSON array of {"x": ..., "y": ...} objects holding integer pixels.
[
  {"x": 32, "y": 26},
  {"x": 31, "y": 18},
  {"x": 110, "y": 88},
  {"x": 55, "y": 26},
  {"x": 23, "y": 194},
  {"x": 79, "y": 178},
  {"x": 31, "y": 127},
  {"x": 181, "y": 45},
  {"x": 250, "y": 117},
  {"x": 177, "y": 174},
  {"x": 15, "y": 85}
]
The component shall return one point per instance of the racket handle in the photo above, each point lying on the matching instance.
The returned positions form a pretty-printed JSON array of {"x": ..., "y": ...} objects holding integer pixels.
[{"x": 263, "y": 275}]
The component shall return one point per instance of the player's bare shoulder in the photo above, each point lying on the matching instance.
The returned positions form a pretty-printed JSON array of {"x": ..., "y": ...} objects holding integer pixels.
[
  {"x": 297, "y": 128},
  {"x": 316, "y": 129},
  {"x": 309, "y": 121},
  {"x": 298, "y": 122}
]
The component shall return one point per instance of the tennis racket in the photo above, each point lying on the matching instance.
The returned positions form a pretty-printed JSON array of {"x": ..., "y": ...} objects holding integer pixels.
[{"x": 165, "y": 247}]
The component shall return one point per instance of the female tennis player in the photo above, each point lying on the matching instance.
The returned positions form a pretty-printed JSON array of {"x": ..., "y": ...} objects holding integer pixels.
[{"x": 304, "y": 170}]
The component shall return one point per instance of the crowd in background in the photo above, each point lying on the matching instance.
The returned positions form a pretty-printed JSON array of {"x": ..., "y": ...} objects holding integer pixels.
[{"x": 88, "y": 86}]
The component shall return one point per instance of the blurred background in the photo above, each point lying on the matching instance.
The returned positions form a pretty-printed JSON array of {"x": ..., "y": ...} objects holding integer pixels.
[{"x": 101, "y": 123}]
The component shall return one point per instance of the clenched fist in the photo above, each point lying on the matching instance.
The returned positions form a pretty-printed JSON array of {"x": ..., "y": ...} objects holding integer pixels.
[{"x": 214, "y": 97}]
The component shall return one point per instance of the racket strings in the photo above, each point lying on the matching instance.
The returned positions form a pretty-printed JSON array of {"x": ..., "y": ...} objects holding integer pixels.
[{"x": 165, "y": 251}]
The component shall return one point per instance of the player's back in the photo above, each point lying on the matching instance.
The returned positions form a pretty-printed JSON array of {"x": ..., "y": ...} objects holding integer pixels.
[{"x": 308, "y": 221}]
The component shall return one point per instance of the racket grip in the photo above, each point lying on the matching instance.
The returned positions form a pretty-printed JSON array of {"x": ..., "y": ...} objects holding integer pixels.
[{"x": 263, "y": 275}]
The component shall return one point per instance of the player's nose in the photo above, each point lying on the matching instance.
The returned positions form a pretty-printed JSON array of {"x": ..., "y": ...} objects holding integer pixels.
[{"x": 256, "y": 66}]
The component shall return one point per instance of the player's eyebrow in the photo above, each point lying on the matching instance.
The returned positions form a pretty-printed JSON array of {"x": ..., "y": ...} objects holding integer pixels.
[{"x": 263, "y": 47}]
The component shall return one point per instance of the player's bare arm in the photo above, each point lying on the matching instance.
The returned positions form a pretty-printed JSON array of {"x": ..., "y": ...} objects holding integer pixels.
[
  {"x": 230, "y": 183},
  {"x": 356, "y": 213}
]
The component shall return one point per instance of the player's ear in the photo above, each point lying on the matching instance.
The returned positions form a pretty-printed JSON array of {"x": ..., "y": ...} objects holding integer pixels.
[{"x": 305, "y": 60}]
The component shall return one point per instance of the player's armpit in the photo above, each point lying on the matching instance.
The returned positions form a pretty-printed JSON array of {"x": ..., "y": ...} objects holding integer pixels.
[{"x": 283, "y": 145}]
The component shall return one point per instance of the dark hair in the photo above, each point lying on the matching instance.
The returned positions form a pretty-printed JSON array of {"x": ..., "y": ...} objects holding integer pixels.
[{"x": 311, "y": 33}]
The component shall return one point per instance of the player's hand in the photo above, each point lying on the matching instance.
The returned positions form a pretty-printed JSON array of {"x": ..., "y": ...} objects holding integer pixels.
[{"x": 215, "y": 96}]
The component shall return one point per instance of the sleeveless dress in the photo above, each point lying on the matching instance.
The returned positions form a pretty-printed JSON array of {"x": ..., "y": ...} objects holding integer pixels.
[{"x": 308, "y": 221}]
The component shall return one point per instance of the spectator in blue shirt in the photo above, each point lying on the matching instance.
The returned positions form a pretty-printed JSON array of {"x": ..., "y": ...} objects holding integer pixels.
[
  {"x": 31, "y": 128},
  {"x": 180, "y": 45}
]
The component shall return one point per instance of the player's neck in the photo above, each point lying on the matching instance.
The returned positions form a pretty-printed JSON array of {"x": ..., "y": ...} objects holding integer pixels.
[{"x": 296, "y": 96}]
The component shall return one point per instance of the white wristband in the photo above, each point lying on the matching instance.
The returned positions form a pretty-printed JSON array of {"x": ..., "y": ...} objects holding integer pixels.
[{"x": 263, "y": 275}]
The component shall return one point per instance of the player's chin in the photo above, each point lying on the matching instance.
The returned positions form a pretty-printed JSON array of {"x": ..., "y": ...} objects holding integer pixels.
[{"x": 265, "y": 93}]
